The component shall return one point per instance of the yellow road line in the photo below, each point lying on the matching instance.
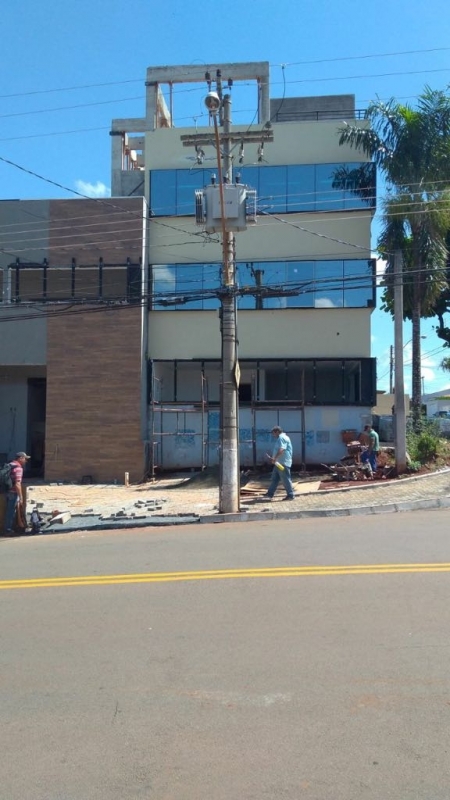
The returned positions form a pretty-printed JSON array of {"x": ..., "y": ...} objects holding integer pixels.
[{"x": 222, "y": 574}]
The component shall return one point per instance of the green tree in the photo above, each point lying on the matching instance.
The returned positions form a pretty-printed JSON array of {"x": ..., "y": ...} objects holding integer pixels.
[{"x": 411, "y": 148}]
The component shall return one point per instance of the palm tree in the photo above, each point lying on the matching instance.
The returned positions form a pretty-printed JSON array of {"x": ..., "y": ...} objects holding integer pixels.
[{"x": 411, "y": 148}]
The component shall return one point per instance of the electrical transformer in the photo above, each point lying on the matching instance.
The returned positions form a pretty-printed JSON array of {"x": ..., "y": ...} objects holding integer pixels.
[{"x": 239, "y": 207}]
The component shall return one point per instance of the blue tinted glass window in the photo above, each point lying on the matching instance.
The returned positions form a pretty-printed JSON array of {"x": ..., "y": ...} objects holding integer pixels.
[
  {"x": 360, "y": 185},
  {"x": 328, "y": 284},
  {"x": 301, "y": 188},
  {"x": 190, "y": 285},
  {"x": 164, "y": 284},
  {"x": 249, "y": 176},
  {"x": 273, "y": 189},
  {"x": 327, "y": 198},
  {"x": 187, "y": 182},
  {"x": 163, "y": 196},
  {"x": 280, "y": 189},
  {"x": 247, "y": 277},
  {"x": 274, "y": 281},
  {"x": 211, "y": 282},
  {"x": 314, "y": 284},
  {"x": 300, "y": 276},
  {"x": 358, "y": 283}
]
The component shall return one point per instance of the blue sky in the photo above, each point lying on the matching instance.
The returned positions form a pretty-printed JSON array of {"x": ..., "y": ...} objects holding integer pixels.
[{"x": 94, "y": 54}]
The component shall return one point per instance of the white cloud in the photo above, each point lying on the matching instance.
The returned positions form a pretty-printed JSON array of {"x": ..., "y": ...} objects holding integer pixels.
[
  {"x": 325, "y": 302},
  {"x": 98, "y": 189},
  {"x": 380, "y": 269}
]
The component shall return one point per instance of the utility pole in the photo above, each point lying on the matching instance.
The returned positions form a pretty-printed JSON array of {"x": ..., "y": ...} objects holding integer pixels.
[
  {"x": 400, "y": 420},
  {"x": 229, "y": 426},
  {"x": 219, "y": 107},
  {"x": 391, "y": 370}
]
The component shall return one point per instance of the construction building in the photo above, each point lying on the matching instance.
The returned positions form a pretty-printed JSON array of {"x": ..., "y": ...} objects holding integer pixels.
[{"x": 129, "y": 370}]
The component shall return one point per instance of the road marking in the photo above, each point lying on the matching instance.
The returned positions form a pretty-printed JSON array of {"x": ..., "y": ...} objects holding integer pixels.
[{"x": 223, "y": 574}]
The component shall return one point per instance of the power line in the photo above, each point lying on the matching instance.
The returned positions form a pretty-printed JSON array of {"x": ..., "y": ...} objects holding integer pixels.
[
  {"x": 366, "y": 56},
  {"x": 265, "y": 211},
  {"x": 71, "y": 108},
  {"x": 311, "y": 285},
  {"x": 242, "y": 84}
]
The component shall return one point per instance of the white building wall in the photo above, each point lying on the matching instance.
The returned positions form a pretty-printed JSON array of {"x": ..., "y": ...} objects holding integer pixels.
[
  {"x": 290, "y": 333},
  {"x": 187, "y": 438}
]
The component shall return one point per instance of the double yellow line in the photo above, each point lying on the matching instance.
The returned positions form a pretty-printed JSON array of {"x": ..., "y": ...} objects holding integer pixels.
[{"x": 223, "y": 574}]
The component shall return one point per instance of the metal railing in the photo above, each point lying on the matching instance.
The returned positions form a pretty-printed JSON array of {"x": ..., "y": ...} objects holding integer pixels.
[{"x": 319, "y": 115}]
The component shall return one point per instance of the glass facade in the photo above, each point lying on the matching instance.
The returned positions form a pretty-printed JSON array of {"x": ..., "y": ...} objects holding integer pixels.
[
  {"x": 304, "y": 381},
  {"x": 280, "y": 189},
  {"x": 268, "y": 284}
]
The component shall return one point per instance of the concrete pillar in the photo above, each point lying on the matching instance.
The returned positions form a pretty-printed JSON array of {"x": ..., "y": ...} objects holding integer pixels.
[
  {"x": 116, "y": 164},
  {"x": 151, "y": 106}
]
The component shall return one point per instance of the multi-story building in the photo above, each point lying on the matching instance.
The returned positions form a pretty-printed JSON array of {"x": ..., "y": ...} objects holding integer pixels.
[
  {"x": 110, "y": 353},
  {"x": 304, "y": 316}
]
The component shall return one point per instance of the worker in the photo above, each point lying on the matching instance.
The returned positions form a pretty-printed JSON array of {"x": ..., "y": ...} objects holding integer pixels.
[{"x": 371, "y": 454}]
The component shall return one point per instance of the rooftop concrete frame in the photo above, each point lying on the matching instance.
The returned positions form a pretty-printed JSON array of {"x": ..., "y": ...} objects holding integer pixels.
[
  {"x": 158, "y": 115},
  {"x": 195, "y": 73}
]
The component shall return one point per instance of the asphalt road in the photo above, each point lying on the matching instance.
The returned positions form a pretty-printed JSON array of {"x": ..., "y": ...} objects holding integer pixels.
[{"x": 287, "y": 660}]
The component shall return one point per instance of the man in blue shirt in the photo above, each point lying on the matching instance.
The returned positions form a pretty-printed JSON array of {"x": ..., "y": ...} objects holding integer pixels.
[{"x": 281, "y": 458}]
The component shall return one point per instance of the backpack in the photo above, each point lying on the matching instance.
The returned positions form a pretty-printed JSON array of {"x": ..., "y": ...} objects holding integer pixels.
[{"x": 6, "y": 477}]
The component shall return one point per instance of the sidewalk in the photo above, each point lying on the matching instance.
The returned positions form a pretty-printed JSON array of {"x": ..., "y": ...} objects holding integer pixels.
[{"x": 176, "y": 500}]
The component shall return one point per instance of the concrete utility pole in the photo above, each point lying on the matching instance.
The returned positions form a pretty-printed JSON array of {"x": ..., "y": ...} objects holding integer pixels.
[
  {"x": 220, "y": 107},
  {"x": 229, "y": 463},
  {"x": 400, "y": 420}
]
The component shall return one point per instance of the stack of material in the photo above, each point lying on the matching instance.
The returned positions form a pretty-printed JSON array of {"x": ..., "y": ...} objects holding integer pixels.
[{"x": 255, "y": 488}]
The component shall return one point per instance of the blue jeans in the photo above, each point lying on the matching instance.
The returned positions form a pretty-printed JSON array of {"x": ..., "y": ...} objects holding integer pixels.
[
  {"x": 285, "y": 477},
  {"x": 371, "y": 457},
  {"x": 12, "y": 500}
]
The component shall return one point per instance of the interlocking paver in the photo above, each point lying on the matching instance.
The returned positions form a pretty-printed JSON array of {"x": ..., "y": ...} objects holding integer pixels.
[{"x": 172, "y": 497}]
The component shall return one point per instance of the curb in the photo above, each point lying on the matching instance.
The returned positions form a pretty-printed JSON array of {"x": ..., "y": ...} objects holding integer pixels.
[
  {"x": 388, "y": 508},
  {"x": 258, "y": 516}
]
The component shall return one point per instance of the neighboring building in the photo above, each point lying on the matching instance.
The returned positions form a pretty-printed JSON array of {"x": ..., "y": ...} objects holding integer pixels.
[
  {"x": 437, "y": 403},
  {"x": 304, "y": 356},
  {"x": 95, "y": 381},
  {"x": 72, "y": 350},
  {"x": 386, "y": 403}
]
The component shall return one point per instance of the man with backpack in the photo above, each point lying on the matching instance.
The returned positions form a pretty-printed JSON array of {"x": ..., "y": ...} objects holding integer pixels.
[{"x": 12, "y": 474}]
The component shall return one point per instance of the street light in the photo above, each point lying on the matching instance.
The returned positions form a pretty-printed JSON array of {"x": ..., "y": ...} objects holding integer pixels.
[{"x": 392, "y": 361}]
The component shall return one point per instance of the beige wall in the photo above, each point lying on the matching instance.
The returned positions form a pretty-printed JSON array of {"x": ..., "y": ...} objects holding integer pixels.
[
  {"x": 294, "y": 143},
  {"x": 313, "y": 333},
  {"x": 268, "y": 239},
  {"x": 385, "y": 402}
]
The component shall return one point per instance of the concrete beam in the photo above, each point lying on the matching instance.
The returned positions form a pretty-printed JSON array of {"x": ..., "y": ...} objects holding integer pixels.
[
  {"x": 129, "y": 125},
  {"x": 195, "y": 73}
]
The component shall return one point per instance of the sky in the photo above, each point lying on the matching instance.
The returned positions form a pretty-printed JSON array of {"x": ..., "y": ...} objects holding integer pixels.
[{"x": 69, "y": 68}]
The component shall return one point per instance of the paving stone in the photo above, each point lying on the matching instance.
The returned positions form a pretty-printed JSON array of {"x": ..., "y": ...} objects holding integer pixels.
[{"x": 111, "y": 502}]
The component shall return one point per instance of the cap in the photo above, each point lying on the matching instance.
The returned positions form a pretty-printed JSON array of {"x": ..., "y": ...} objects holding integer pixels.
[{"x": 21, "y": 454}]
